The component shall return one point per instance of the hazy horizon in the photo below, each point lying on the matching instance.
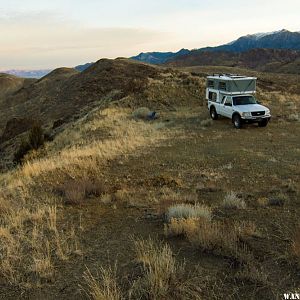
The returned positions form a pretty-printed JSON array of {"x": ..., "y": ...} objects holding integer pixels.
[{"x": 46, "y": 35}]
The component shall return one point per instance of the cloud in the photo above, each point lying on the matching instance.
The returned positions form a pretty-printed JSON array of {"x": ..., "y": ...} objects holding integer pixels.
[{"x": 45, "y": 39}]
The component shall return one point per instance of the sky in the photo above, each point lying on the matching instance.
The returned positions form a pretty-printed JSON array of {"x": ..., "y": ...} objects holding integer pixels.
[{"x": 39, "y": 34}]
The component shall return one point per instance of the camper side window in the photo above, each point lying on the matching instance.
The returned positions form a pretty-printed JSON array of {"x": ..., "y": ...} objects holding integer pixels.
[
  {"x": 210, "y": 84},
  {"x": 212, "y": 96},
  {"x": 222, "y": 86}
]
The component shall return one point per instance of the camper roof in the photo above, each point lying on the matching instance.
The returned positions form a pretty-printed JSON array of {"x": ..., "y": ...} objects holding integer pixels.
[{"x": 230, "y": 77}]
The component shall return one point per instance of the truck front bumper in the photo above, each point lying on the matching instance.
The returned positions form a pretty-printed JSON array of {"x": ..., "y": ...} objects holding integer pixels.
[{"x": 256, "y": 119}]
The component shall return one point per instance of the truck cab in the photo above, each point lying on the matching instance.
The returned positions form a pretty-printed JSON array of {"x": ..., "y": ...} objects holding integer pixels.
[{"x": 233, "y": 97}]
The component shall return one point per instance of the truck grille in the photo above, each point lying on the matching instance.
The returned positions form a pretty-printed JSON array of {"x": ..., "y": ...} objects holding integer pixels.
[{"x": 258, "y": 113}]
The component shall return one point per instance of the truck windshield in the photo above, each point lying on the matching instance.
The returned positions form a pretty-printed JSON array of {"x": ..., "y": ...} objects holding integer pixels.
[{"x": 244, "y": 100}]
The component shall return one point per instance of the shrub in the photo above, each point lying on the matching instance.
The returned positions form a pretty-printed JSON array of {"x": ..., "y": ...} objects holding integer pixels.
[
  {"x": 36, "y": 137},
  {"x": 278, "y": 200},
  {"x": 188, "y": 211},
  {"x": 33, "y": 141},
  {"x": 231, "y": 200},
  {"x": 23, "y": 149}
]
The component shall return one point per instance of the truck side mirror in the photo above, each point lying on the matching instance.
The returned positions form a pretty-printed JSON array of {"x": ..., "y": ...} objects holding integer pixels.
[{"x": 228, "y": 104}]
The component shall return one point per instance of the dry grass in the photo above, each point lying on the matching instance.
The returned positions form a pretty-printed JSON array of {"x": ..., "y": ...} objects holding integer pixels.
[
  {"x": 231, "y": 200},
  {"x": 206, "y": 123},
  {"x": 296, "y": 245},
  {"x": 30, "y": 240},
  {"x": 30, "y": 222},
  {"x": 178, "y": 227},
  {"x": 262, "y": 201},
  {"x": 163, "y": 277},
  {"x": 79, "y": 155},
  {"x": 294, "y": 117},
  {"x": 76, "y": 191},
  {"x": 255, "y": 275},
  {"x": 188, "y": 211},
  {"x": 104, "y": 286},
  {"x": 214, "y": 236}
]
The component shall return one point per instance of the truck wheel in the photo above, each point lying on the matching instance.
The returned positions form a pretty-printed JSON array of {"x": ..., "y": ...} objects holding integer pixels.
[
  {"x": 263, "y": 123},
  {"x": 237, "y": 121},
  {"x": 213, "y": 114}
]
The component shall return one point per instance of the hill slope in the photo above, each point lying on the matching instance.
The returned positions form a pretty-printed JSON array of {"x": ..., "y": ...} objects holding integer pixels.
[
  {"x": 267, "y": 60},
  {"x": 10, "y": 84},
  {"x": 66, "y": 94}
]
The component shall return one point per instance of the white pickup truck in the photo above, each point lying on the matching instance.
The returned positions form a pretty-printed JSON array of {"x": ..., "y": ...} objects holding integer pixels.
[{"x": 232, "y": 96}]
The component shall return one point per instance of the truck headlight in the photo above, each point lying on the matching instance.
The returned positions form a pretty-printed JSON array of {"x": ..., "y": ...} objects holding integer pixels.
[
  {"x": 268, "y": 112},
  {"x": 246, "y": 114}
]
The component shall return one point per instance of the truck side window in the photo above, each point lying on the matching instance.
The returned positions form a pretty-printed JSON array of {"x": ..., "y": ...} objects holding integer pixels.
[
  {"x": 212, "y": 96},
  {"x": 223, "y": 99},
  {"x": 228, "y": 102}
]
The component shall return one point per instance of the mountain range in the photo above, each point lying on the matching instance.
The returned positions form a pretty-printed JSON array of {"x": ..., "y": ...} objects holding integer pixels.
[
  {"x": 41, "y": 73},
  {"x": 282, "y": 39}
]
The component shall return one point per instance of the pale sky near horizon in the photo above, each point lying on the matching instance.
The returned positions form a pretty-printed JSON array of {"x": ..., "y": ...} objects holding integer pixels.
[{"x": 39, "y": 34}]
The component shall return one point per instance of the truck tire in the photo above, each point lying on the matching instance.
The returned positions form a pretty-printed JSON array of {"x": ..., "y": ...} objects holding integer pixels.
[
  {"x": 237, "y": 121},
  {"x": 213, "y": 113},
  {"x": 263, "y": 123}
]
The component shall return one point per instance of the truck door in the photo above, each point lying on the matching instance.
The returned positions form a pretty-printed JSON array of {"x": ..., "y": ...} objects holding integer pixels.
[{"x": 226, "y": 107}]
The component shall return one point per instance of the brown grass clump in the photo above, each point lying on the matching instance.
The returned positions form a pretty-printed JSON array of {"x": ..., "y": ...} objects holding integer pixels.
[
  {"x": 218, "y": 237},
  {"x": 178, "y": 227},
  {"x": 213, "y": 236},
  {"x": 76, "y": 191},
  {"x": 163, "y": 277},
  {"x": 104, "y": 286},
  {"x": 262, "y": 201},
  {"x": 231, "y": 200}
]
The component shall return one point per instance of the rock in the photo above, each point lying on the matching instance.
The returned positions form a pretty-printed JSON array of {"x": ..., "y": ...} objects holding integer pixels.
[{"x": 144, "y": 113}]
